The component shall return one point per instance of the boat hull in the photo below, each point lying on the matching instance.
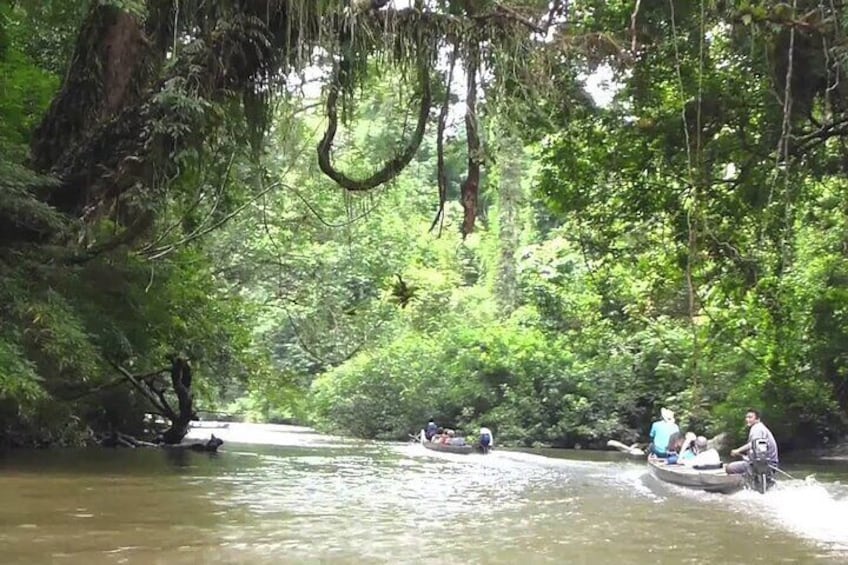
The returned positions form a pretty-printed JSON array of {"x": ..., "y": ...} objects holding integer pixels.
[
  {"x": 713, "y": 480},
  {"x": 447, "y": 448}
]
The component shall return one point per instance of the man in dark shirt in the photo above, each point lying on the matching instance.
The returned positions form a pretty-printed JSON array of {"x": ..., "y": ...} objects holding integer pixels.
[{"x": 757, "y": 430}]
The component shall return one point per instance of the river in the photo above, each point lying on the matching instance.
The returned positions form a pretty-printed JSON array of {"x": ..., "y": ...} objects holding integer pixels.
[{"x": 281, "y": 494}]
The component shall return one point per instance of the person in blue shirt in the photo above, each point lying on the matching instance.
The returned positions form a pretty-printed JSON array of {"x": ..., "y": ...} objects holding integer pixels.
[
  {"x": 661, "y": 432},
  {"x": 487, "y": 439},
  {"x": 431, "y": 429}
]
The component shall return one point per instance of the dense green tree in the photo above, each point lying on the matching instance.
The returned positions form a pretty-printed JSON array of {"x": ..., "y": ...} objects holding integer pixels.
[
  {"x": 447, "y": 224},
  {"x": 154, "y": 140}
]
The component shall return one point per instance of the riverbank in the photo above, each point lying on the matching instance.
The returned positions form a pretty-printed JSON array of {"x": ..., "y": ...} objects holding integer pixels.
[
  {"x": 838, "y": 452},
  {"x": 201, "y": 429}
]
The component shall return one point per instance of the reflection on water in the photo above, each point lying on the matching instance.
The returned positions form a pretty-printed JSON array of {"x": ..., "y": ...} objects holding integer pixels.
[{"x": 299, "y": 497}]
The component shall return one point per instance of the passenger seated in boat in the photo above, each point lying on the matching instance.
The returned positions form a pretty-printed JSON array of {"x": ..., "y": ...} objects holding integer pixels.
[
  {"x": 687, "y": 450},
  {"x": 705, "y": 456},
  {"x": 672, "y": 451},
  {"x": 450, "y": 438},
  {"x": 456, "y": 441},
  {"x": 437, "y": 437},
  {"x": 430, "y": 430},
  {"x": 661, "y": 431}
]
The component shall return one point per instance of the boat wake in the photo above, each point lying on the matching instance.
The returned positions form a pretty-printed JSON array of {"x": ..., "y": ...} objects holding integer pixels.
[
  {"x": 500, "y": 458},
  {"x": 805, "y": 507},
  {"x": 545, "y": 461},
  {"x": 813, "y": 510},
  {"x": 808, "y": 508}
]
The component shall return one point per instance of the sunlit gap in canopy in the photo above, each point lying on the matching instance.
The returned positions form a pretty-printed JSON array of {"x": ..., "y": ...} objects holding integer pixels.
[
  {"x": 307, "y": 82},
  {"x": 600, "y": 83}
]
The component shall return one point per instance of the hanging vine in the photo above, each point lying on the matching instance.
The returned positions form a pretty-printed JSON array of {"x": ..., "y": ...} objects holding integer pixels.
[
  {"x": 695, "y": 177},
  {"x": 440, "y": 148},
  {"x": 784, "y": 143},
  {"x": 350, "y": 61},
  {"x": 392, "y": 167}
]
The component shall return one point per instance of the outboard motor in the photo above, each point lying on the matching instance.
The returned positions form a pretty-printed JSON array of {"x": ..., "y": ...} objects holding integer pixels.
[{"x": 761, "y": 471}]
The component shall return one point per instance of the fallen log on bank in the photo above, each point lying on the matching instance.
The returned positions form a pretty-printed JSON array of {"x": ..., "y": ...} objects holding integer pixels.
[
  {"x": 209, "y": 446},
  {"x": 119, "y": 439},
  {"x": 632, "y": 450}
]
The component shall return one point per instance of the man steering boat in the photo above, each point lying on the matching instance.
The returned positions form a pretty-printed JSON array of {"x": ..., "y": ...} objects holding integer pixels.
[{"x": 761, "y": 450}]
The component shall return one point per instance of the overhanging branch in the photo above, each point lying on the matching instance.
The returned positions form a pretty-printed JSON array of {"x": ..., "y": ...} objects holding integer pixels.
[{"x": 155, "y": 397}]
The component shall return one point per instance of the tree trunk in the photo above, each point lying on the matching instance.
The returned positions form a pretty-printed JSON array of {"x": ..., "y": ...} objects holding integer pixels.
[
  {"x": 107, "y": 72},
  {"x": 471, "y": 185},
  {"x": 181, "y": 381}
]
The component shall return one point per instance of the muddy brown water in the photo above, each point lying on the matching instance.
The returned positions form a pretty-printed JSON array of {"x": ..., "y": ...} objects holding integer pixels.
[{"x": 281, "y": 494}]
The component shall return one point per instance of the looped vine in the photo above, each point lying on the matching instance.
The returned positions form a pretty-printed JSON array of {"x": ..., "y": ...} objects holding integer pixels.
[
  {"x": 391, "y": 168},
  {"x": 440, "y": 147}
]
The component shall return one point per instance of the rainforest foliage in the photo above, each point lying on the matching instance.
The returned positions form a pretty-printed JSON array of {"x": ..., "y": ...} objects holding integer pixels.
[{"x": 549, "y": 218}]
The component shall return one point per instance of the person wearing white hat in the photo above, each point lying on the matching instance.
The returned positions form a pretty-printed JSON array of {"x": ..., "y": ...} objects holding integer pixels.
[
  {"x": 487, "y": 439},
  {"x": 661, "y": 432}
]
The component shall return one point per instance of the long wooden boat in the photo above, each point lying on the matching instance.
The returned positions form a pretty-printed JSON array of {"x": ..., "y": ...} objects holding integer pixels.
[
  {"x": 448, "y": 448},
  {"x": 712, "y": 480}
]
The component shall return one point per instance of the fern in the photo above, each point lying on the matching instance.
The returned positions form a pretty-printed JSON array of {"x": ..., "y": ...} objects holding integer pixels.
[
  {"x": 18, "y": 377},
  {"x": 60, "y": 339},
  {"x": 19, "y": 205}
]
